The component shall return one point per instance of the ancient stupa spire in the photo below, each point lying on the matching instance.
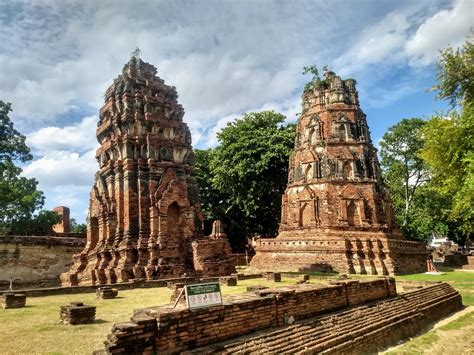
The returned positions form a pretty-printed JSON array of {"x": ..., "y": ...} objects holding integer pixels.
[
  {"x": 136, "y": 53},
  {"x": 336, "y": 210},
  {"x": 144, "y": 209}
]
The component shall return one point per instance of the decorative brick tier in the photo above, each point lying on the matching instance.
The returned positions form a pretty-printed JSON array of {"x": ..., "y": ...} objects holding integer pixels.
[
  {"x": 336, "y": 211},
  {"x": 168, "y": 330},
  {"x": 77, "y": 313},
  {"x": 13, "y": 300},
  {"x": 359, "y": 330},
  {"x": 342, "y": 252}
]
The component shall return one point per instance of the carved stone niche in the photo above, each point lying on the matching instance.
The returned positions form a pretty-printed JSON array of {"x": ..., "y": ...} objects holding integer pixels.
[{"x": 352, "y": 208}]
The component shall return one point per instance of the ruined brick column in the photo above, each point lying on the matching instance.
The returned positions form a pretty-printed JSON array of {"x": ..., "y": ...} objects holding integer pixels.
[
  {"x": 336, "y": 210},
  {"x": 144, "y": 207},
  {"x": 64, "y": 225}
]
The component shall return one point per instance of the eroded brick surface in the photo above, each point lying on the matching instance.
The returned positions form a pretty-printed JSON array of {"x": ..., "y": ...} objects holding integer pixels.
[{"x": 336, "y": 211}]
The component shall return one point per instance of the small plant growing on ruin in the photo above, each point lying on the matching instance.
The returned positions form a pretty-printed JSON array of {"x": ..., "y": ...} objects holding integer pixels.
[{"x": 316, "y": 80}]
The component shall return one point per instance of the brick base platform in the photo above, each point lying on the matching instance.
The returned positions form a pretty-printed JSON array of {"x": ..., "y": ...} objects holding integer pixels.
[{"x": 365, "y": 254}]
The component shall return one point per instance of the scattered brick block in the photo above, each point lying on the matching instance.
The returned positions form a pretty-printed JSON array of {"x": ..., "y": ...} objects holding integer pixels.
[
  {"x": 273, "y": 276},
  {"x": 77, "y": 313},
  {"x": 13, "y": 300},
  {"x": 106, "y": 292},
  {"x": 228, "y": 281},
  {"x": 255, "y": 288}
]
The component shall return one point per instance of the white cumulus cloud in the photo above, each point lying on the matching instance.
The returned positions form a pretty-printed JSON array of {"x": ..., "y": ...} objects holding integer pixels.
[{"x": 79, "y": 137}]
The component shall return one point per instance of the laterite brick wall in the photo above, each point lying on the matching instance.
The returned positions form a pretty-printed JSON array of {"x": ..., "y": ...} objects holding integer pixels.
[{"x": 165, "y": 329}]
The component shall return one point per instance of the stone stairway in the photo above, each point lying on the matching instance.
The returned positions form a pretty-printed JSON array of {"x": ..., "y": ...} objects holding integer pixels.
[{"x": 358, "y": 330}]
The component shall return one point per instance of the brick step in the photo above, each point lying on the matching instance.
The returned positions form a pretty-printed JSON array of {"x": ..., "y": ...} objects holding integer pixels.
[
  {"x": 404, "y": 306},
  {"x": 378, "y": 332},
  {"x": 337, "y": 334},
  {"x": 374, "y": 326},
  {"x": 303, "y": 331}
]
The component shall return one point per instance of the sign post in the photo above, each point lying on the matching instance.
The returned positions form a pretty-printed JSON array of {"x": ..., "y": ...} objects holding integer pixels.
[{"x": 203, "y": 295}]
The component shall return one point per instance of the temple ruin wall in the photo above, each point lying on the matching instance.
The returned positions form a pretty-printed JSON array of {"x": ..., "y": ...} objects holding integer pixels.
[{"x": 35, "y": 260}]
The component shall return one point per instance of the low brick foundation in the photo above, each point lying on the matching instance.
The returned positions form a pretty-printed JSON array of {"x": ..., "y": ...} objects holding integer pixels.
[
  {"x": 359, "y": 330},
  {"x": 164, "y": 329},
  {"x": 273, "y": 276},
  {"x": 455, "y": 260}
]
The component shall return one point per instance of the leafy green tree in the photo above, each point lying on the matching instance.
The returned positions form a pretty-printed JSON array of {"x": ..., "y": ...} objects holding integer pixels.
[
  {"x": 404, "y": 169},
  {"x": 420, "y": 210},
  {"x": 39, "y": 224},
  {"x": 242, "y": 180},
  {"x": 455, "y": 73},
  {"x": 12, "y": 143},
  {"x": 449, "y": 141},
  {"x": 77, "y": 227},
  {"x": 449, "y": 151},
  {"x": 19, "y": 198}
]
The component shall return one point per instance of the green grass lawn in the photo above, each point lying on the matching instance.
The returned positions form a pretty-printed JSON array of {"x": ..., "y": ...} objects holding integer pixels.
[{"x": 35, "y": 329}]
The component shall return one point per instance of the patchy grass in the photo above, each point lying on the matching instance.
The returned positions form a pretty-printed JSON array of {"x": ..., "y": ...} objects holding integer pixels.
[
  {"x": 452, "y": 277},
  {"x": 35, "y": 329},
  {"x": 465, "y": 320},
  {"x": 417, "y": 347}
]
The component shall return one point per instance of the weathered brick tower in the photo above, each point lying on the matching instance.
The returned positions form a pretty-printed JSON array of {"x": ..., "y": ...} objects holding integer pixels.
[
  {"x": 144, "y": 209},
  {"x": 336, "y": 211}
]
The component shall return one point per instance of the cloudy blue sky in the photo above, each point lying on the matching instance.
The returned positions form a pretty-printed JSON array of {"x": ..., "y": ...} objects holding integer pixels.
[{"x": 224, "y": 57}]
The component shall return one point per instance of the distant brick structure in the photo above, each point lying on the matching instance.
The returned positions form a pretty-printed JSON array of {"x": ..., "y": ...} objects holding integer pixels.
[
  {"x": 144, "y": 206},
  {"x": 64, "y": 226},
  {"x": 336, "y": 210}
]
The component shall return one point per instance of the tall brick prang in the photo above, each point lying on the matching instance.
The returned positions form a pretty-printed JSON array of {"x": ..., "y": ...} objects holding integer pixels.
[
  {"x": 144, "y": 206},
  {"x": 336, "y": 210}
]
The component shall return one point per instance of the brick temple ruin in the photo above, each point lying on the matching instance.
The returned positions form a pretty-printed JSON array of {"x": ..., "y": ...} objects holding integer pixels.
[
  {"x": 336, "y": 210},
  {"x": 145, "y": 220}
]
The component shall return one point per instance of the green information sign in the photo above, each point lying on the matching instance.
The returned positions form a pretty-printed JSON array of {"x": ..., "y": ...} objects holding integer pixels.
[{"x": 203, "y": 295}]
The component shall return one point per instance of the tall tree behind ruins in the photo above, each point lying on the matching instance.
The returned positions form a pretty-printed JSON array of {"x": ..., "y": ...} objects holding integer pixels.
[{"x": 19, "y": 197}]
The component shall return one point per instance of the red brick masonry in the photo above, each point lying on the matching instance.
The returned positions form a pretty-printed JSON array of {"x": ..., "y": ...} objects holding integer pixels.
[
  {"x": 164, "y": 329},
  {"x": 336, "y": 210}
]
